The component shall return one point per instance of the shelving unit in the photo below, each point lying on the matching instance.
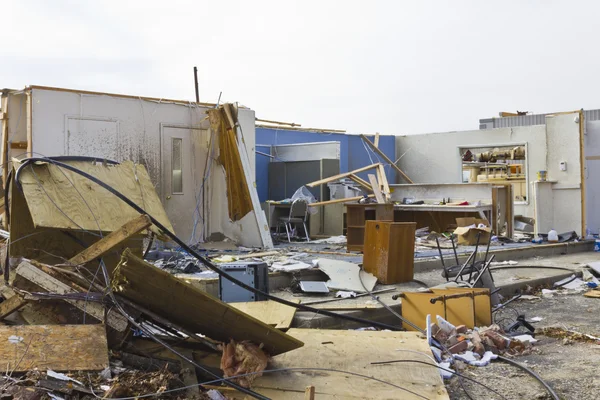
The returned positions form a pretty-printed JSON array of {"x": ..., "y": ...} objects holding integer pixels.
[{"x": 356, "y": 217}]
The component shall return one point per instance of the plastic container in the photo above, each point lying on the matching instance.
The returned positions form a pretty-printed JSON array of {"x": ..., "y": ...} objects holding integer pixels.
[
  {"x": 597, "y": 245},
  {"x": 552, "y": 236}
]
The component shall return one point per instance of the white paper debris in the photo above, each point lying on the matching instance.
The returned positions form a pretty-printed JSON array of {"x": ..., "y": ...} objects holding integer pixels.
[
  {"x": 55, "y": 397},
  {"x": 445, "y": 374},
  {"x": 332, "y": 240},
  {"x": 15, "y": 339},
  {"x": 344, "y": 275},
  {"x": 475, "y": 359},
  {"x": 576, "y": 284},
  {"x": 105, "y": 387},
  {"x": 547, "y": 293},
  {"x": 528, "y": 297},
  {"x": 525, "y": 338},
  {"x": 510, "y": 262},
  {"x": 290, "y": 265},
  {"x": 61, "y": 377},
  {"x": 535, "y": 319},
  {"x": 345, "y": 294},
  {"x": 215, "y": 395},
  {"x": 445, "y": 326}
]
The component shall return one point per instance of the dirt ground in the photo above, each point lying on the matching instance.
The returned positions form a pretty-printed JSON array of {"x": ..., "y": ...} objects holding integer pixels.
[{"x": 570, "y": 367}]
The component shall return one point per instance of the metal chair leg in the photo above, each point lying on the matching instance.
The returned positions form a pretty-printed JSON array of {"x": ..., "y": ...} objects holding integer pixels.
[
  {"x": 287, "y": 230},
  {"x": 306, "y": 231}
]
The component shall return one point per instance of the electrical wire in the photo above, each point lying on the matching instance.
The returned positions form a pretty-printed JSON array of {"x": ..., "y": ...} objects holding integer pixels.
[
  {"x": 292, "y": 369},
  {"x": 443, "y": 369},
  {"x": 195, "y": 254},
  {"x": 400, "y": 317},
  {"x": 532, "y": 373}
]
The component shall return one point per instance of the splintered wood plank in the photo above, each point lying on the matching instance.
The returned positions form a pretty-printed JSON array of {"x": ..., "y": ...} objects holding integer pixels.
[
  {"x": 108, "y": 242},
  {"x": 56, "y": 347},
  {"x": 354, "y": 351},
  {"x": 53, "y": 285},
  {"x": 386, "y": 158},
  {"x": 193, "y": 309},
  {"x": 270, "y": 312},
  {"x": 340, "y": 176},
  {"x": 376, "y": 189},
  {"x": 88, "y": 205},
  {"x": 11, "y": 305}
]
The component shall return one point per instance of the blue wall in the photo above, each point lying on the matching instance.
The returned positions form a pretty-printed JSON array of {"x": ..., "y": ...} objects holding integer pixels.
[{"x": 353, "y": 154}]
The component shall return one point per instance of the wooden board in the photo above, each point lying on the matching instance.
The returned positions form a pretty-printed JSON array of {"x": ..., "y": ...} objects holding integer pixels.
[
  {"x": 53, "y": 285},
  {"x": 88, "y": 206},
  {"x": 353, "y": 351},
  {"x": 386, "y": 158},
  {"x": 56, "y": 347},
  {"x": 416, "y": 306},
  {"x": 270, "y": 312},
  {"x": 483, "y": 304},
  {"x": 190, "y": 308},
  {"x": 343, "y": 175},
  {"x": 376, "y": 188},
  {"x": 108, "y": 242},
  {"x": 10, "y": 305},
  {"x": 593, "y": 294}
]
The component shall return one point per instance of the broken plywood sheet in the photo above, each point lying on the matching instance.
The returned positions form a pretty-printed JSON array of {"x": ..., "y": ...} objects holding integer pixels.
[
  {"x": 270, "y": 312},
  {"x": 354, "y": 351},
  {"x": 193, "y": 309},
  {"x": 344, "y": 275},
  {"x": 56, "y": 347},
  {"x": 89, "y": 206}
]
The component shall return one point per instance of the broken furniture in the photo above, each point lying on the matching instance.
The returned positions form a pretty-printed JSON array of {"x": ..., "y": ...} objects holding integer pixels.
[
  {"x": 357, "y": 215},
  {"x": 389, "y": 251},
  {"x": 459, "y": 306},
  {"x": 297, "y": 216},
  {"x": 487, "y": 201}
]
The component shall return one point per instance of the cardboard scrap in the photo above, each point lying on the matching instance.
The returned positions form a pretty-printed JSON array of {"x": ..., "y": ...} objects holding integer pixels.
[{"x": 468, "y": 228}]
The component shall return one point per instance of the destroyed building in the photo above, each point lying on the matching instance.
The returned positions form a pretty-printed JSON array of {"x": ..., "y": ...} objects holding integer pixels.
[{"x": 171, "y": 249}]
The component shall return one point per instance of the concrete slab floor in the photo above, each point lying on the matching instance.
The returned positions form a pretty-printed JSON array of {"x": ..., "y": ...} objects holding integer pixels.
[{"x": 531, "y": 272}]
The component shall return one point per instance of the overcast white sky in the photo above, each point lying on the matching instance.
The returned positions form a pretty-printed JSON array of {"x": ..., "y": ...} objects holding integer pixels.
[{"x": 397, "y": 67}]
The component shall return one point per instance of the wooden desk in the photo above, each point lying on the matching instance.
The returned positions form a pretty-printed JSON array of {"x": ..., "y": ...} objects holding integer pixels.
[{"x": 437, "y": 216}]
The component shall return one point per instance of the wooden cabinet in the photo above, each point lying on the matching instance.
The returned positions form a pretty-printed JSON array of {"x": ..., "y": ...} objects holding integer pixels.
[
  {"x": 357, "y": 215},
  {"x": 389, "y": 251}
]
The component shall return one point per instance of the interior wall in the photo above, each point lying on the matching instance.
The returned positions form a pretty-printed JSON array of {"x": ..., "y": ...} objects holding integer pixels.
[
  {"x": 17, "y": 121},
  {"x": 353, "y": 154},
  {"x": 136, "y": 122},
  {"x": 434, "y": 158},
  {"x": 592, "y": 175}
]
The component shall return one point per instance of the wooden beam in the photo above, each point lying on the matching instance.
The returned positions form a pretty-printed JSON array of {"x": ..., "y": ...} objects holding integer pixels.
[
  {"x": 361, "y": 182},
  {"x": 277, "y": 122},
  {"x": 386, "y": 158},
  {"x": 346, "y": 200},
  {"x": 4, "y": 154},
  {"x": 11, "y": 305},
  {"x": 18, "y": 145},
  {"x": 29, "y": 123},
  {"x": 56, "y": 347},
  {"x": 384, "y": 182},
  {"x": 376, "y": 189},
  {"x": 53, "y": 285},
  {"x": 111, "y": 240},
  {"x": 376, "y": 140},
  {"x": 309, "y": 393},
  {"x": 340, "y": 176},
  {"x": 191, "y": 308}
]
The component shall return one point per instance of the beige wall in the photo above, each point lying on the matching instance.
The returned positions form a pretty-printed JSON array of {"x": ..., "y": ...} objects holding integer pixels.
[{"x": 434, "y": 158}]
